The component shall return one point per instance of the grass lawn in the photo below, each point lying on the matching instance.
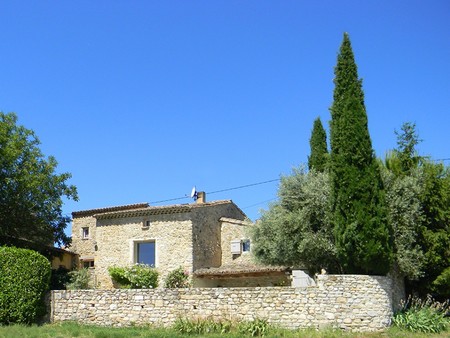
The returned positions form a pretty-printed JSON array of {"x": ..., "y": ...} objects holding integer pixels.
[{"x": 68, "y": 330}]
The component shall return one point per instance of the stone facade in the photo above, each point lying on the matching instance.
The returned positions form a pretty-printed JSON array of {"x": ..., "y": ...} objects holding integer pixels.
[
  {"x": 189, "y": 236},
  {"x": 350, "y": 302}
]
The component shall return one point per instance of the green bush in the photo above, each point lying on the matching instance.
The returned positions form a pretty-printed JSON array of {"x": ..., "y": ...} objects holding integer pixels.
[
  {"x": 78, "y": 280},
  {"x": 442, "y": 283},
  {"x": 138, "y": 276},
  {"x": 59, "y": 278},
  {"x": 177, "y": 278},
  {"x": 117, "y": 274},
  {"x": 427, "y": 316},
  {"x": 24, "y": 280}
]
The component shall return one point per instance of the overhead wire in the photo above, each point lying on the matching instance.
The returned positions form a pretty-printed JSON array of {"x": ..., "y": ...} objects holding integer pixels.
[
  {"x": 242, "y": 187},
  {"x": 217, "y": 191}
]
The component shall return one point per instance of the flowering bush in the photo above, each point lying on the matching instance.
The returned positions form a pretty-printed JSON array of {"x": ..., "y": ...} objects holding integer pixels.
[
  {"x": 177, "y": 278},
  {"x": 138, "y": 276}
]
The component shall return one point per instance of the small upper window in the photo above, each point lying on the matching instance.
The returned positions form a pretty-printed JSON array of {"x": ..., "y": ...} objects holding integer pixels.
[
  {"x": 245, "y": 245},
  {"x": 88, "y": 264},
  {"x": 85, "y": 232}
]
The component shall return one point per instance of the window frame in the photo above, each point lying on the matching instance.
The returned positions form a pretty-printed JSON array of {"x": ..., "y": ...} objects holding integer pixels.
[
  {"x": 246, "y": 246},
  {"x": 90, "y": 264},
  {"x": 135, "y": 248},
  {"x": 85, "y": 233}
]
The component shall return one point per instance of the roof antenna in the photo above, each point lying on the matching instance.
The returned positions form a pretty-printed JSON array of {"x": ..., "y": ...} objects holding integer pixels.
[{"x": 194, "y": 193}]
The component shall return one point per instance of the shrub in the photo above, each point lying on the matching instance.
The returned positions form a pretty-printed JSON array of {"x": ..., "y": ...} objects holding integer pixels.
[
  {"x": 117, "y": 274},
  {"x": 177, "y": 278},
  {"x": 138, "y": 276},
  {"x": 427, "y": 316},
  {"x": 24, "y": 280},
  {"x": 78, "y": 280},
  {"x": 442, "y": 283},
  {"x": 59, "y": 278}
]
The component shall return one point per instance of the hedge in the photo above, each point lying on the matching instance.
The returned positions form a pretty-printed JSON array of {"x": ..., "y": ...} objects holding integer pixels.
[{"x": 24, "y": 280}]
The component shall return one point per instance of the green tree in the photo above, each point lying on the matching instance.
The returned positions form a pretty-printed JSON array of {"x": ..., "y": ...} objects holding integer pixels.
[
  {"x": 418, "y": 197},
  {"x": 434, "y": 235},
  {"x": 30, "y": 191},
  {"x": 404, "y": 159},
  {"x": 363, "y": 237},
  {"x": 405, "y": 216},
  {"x": 296, "y": 230},
  {"x": 318, "y": 144}
]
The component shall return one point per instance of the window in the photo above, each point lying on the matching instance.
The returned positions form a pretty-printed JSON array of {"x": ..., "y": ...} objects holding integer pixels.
[
  {"x": 245, "y": 245},
  {"x": 85, "y": 233},
  {"x": 145, "y": 253},
  {"x": 146, "y": 225},
  {"x": 88, "y": 264}
]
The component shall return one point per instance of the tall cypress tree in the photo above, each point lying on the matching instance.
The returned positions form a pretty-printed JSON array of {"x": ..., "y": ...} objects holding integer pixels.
[
  {"x": 362, "y": 235},
  {"x": 318, "y": 144}
]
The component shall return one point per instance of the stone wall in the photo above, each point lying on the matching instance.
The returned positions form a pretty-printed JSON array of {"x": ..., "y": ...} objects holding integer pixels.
[{"x": 350, "y": 302}]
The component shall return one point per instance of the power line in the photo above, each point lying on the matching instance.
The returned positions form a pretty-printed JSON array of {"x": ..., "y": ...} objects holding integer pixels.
[
  {"x": 217, "y": 191},
  {"x": 242, "y": 186}
]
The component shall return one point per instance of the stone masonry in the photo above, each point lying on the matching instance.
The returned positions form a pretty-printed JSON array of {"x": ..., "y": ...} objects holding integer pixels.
[
  {"x": 186, "y": 235},
  {"x": 350, "y": 302}
]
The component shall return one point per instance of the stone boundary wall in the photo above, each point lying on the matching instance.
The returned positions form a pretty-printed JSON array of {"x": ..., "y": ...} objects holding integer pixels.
[{"x": 350, "y": 302}]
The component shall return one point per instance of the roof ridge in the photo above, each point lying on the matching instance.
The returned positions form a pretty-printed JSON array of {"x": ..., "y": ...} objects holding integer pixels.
[{"x": 90, "y": 212}]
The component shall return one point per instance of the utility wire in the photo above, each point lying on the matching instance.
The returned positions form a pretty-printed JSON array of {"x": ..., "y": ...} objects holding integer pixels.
[
  {"x": 217, "y": 191},
  {"x": 242, "y": 186}
]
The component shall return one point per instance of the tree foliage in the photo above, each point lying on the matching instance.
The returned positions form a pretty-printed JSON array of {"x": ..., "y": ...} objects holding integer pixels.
[
  {"x": 24, "y": 279},
  {"x": 318, "y": 144},
  {"x": 405, "y": 216},
  {"x": 403, "y": 160},
  {"x": 296, "y": 231},
  {"x": 363, "y": 237},
  {"x": 434, "y": 234},
  {"x": 418, "y": 193},
  {"x": 30, "y": 191}
]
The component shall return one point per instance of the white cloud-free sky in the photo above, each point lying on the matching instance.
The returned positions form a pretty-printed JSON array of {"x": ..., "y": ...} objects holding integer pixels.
[{"x": 142, "y": 100}]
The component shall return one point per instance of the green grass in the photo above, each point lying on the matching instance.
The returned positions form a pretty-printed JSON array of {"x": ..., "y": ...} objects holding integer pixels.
[{"x": 69, "y": 330}]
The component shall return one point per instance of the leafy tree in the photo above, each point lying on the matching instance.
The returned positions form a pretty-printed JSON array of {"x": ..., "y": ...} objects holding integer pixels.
[
  {"x": 296, "y": 230},
  {"x": 30, "y": 191},
  {"x": 418, "y": 196},
  {"x": 318, "y": 144},
  {"x": 434, "y": 235},
  {"x": 405, "y": 216},
  {"x": 404, "y": 159},
  {"x": 363, "y": 237}
]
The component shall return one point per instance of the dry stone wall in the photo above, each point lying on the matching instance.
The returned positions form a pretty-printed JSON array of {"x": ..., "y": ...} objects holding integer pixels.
[{"x": 350, "y": 302}]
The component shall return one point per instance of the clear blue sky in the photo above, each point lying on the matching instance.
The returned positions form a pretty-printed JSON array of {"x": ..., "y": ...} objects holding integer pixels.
[{"x": 142, "y": 100}]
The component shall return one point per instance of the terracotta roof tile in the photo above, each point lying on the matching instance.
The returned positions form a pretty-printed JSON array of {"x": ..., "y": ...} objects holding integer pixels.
[
  {"x": 91, "y": 212},
  {"x": 141, "y": 209}
]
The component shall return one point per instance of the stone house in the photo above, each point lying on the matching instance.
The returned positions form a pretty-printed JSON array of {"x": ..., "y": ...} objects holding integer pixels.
[{"x": 208, "y": 239}]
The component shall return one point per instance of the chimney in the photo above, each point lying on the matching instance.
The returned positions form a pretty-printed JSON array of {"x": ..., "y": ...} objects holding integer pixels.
[{"x": 201, "y": 197}]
